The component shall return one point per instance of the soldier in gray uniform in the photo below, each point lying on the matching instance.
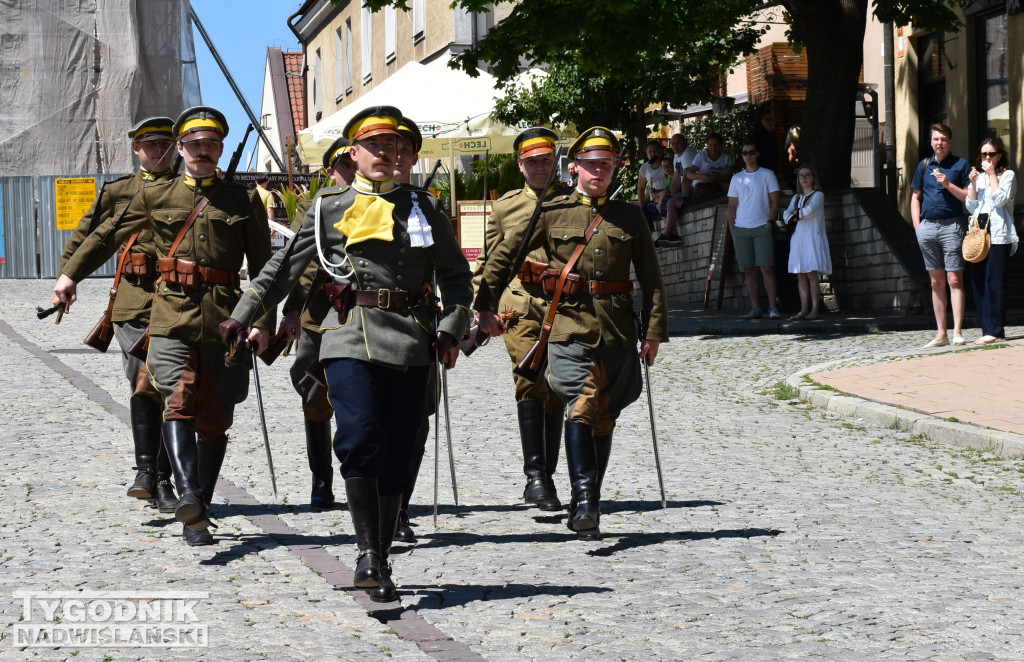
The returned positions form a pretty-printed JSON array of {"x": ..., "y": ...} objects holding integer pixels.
[
  {"x": 375, "y": 239},
  {"x": 153, "y": 145},
  {"x": 199, "y": 267}
]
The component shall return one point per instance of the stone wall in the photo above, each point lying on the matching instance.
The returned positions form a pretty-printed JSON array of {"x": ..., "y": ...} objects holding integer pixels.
[{"x": 877, "y": 266}]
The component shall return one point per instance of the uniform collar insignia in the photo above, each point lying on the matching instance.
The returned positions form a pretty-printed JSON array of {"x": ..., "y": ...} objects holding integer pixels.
[
  {"x": 368, "y": 186},
  {"x": 531, "y": 192},
  {"x": 591, "y": 201},
  {"x": 203, "y": 182},
  {"x": 148, "y": 176}
]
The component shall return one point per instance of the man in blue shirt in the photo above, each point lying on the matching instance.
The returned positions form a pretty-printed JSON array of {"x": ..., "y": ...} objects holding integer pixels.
[{"x": 936, "y": 207}]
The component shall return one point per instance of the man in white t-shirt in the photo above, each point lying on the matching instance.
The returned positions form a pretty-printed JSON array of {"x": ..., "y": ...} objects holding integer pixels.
[
  {"x": 705, "y": 177},
  {"x": 753, "y": 203},
  {"x": 682, "y": 157}
]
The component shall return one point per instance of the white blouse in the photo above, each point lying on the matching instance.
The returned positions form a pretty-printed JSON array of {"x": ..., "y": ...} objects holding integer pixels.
[{"x": 998, "y": 204}]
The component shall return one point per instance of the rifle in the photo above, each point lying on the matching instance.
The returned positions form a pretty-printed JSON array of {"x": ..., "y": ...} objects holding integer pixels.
[
  {"x": 236, "y": 156},
  {"x": 532, "y": 364},
  {"x": 437, "y": 166}
]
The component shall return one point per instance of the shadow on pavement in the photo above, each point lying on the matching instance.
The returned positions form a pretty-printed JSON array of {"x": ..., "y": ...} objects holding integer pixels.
[
  {"x": 445, "y": 596},
  {"x": 624, "y": 542}
]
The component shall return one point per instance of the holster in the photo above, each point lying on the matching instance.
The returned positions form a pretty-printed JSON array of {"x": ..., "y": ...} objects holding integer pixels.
[
  {"x": 140, "y": 348},
  {"x": 341, "y": 297},
  {"x": 101, "y": 334},
  {"x": 573, "y": 282}
]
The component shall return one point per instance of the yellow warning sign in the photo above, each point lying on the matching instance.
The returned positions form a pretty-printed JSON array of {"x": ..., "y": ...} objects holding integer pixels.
[{"x": 74, "y": 196}]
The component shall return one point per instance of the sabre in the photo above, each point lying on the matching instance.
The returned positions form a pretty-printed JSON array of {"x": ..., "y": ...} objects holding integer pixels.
[
  {"x": 441, "y": 389},
  {"x": 263, "y": 421},
  {"x": 641, "y": 318}
]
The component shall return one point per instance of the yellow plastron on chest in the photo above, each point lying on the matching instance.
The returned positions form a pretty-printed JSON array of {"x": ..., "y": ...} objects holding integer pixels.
[{"x": 369, "y": 217}]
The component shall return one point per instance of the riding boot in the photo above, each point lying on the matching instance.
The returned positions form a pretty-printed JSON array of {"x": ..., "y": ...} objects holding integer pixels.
[
  {"x": 166, "y": 500},
  {"x": 364, "y": 507},
  {"x": 404, "y": 532},
  {"x": 319, "y": 451},
  {"x": 180, "y": 438},
  {"x": 531, "y": 433},
  {"x": 390, "y": 506},
  {"x": 603, "y": 445},
  {"x": 552, "y": 443},
  {"x": 146, "y": 418},
  {"x": 211, "y": 459},
  {"x": 581, "y": 457}
]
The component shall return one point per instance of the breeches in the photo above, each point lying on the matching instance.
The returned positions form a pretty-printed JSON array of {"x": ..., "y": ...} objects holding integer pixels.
[
  {"x": 195, "y": 384},
  {"x": 316, "y": 405},
  {"x": 595, "y": 384},
  {"x": 518, "y": 341},
  {"x": 134, "y": 369},
  {"x": 377, "y": 411}
]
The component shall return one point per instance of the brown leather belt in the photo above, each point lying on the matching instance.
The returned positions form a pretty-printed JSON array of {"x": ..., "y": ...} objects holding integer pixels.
[
  {"x": 389, "y": 299},
  {"x": 189, "y": 274},
  {"x": 575, "y": 284},
  {"x": 142, "y": 265}
]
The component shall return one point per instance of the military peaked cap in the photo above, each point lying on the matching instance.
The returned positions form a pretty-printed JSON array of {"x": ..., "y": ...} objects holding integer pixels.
[
  {"x": 595, "y": 143},
  {"x": 373, "y": 121},
  {"x": 408, "y": 129},
  {"x": 535, "y": 141},
  {"x": 200, "y": 122},
  {"x": 338, "y": 149},
  {"x": 152, "y": 128}
]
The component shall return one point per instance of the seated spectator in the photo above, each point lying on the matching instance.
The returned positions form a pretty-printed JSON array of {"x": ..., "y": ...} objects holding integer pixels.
[
  {"x": 763, "y": 138},
  {"x": 682, "y": 157},
  {"x": 709, "y": 175},
  {"x": 652, "y": 176}
]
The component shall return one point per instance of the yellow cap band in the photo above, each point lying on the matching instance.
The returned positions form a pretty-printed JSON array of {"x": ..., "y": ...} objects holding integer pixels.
[
  {"x": 372, "y": 124},
  {"x": 153, "y": 129},
  {"x": 597, "y": 142},
  {"x": 341, "y": 151},
  {"x": 533, "y": 143},
  {"x": 202, "y": 123}
]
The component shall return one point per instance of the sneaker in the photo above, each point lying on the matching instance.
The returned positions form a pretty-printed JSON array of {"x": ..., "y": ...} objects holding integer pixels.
[
  {"x": 773, "y": 313},
  {"x": 671, "y": 240},
  {"x": 937, "y": 342},
  {"x": 754, "y": 314}
]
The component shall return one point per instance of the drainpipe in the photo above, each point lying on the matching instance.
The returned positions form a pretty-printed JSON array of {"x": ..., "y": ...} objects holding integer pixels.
[{"x": 890, "y": 112}]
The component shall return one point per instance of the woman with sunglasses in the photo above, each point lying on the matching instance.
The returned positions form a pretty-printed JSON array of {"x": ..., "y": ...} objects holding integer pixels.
[
  {"x": 808, "y": 248},
  {"x": 991, "y": 192}
]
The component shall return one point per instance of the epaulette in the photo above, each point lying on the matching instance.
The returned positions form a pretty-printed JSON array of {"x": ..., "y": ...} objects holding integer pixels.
[
  {"x": 120, "y": 179},
  {"x": 510, "y": 194},
  {"x": 333, "y": 190}
]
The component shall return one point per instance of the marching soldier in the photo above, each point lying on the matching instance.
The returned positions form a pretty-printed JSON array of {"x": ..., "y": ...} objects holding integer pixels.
[
  {"x": 538, "y": 407},
  {"x": 152, "y": 143},
  {"x": 304, "y": 310},
  {"x": 375, "y": 238},
  {"x": 592, "y": 355},
  {"x": 203, "y": 228}
]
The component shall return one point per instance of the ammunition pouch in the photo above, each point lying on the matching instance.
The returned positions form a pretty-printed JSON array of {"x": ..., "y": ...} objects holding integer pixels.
[
  {"x": 188, "y": 274},
  {"x": 142, "y": 265},
  {"x": 532, "y": 272}
]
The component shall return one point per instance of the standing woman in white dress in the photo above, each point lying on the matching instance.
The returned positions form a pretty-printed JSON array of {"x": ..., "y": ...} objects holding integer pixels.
[
  {"x": 991, "y": 192},
  {"x": 808, "y": 248}
]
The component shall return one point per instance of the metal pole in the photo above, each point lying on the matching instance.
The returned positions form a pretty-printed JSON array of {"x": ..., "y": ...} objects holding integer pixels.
[
  {"x": 890, "y": 111},
  {"x": 231, "y": 81}
]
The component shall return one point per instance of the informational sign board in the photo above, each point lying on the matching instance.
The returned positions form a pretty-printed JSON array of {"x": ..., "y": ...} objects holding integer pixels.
[
  {"x": 472, "y": 225},
  {"x": 73, "y": 196},
  {"x": 719, "y": 258}
]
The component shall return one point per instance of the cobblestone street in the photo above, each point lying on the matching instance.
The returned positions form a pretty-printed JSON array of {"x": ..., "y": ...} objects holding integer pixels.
[{"x": 791, "y": 532}]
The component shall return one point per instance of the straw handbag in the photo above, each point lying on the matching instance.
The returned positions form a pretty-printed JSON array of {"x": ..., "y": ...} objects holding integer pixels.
[{"x": 978, "y": 241}]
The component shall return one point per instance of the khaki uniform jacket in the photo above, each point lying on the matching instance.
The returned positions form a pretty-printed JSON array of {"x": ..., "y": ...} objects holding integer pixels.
[
  {"x": 231, "y": 228},
  {"x": 134, "y": 294},
  {"x": 510, "y": 211},
  {"x": 308, "y": 296},
  {"x": 621, "y": 241},
  {"x": 392, "y": 337}
]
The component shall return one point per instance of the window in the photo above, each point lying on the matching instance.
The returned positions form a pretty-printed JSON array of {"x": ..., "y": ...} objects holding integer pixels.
[
  {"x": 992, "y": 77},
  {"x": 318, "y": 85},
  {"x": 419, "y": 20},
  {"x": 931, "y": 86},
  {"x": 348, "y": 56},
  {"x": 339, "y": 63},
  {"x": 367, "y": 39},
  {"x": 390, "y": 33}
]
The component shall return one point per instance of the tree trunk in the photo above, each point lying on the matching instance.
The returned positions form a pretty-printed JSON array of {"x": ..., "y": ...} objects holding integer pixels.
[{"x": 833, "y": 32}]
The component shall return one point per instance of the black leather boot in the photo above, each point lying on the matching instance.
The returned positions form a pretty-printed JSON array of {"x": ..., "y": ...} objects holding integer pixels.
[
  {"x": 581, "y": 456},
  {"x": 531, "y": 434},
  {"x": 180, "y": 438},
  {"x": 146, "y": 415},
  {"x": 319, "y": 450},
  {"x": 211, "y": 458},
  {"x": 364, "y": 507},
  {"x": 603, "y": 446},
  {"x": 404, "y": 532},
  {"x": 552, "y": 443},
  {"x": 166, "y": 500},
  {"x": 390, "y": 507}
]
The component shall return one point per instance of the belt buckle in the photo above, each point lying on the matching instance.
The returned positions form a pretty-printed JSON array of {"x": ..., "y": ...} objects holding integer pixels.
[{"x": 383, "y": 298}]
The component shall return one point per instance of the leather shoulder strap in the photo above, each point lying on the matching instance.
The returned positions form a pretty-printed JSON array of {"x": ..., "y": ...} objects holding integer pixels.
[{"x": 193, "y": 216}]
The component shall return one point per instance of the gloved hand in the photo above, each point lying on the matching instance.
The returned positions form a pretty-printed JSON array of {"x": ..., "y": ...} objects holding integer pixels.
[{"x": 232, "y": 333}]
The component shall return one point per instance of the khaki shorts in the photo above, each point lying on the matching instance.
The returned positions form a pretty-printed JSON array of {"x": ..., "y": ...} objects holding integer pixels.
[{"x": 754, "y": 246}]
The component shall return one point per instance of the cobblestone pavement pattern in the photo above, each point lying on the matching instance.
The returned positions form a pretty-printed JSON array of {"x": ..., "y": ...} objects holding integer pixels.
[{"x": 791, "y": 532}]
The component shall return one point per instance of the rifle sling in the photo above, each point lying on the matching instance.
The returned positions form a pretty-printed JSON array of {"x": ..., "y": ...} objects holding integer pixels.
[
  {"x": 549, "y": 319},
  {"x": 117, "y": 278}
]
